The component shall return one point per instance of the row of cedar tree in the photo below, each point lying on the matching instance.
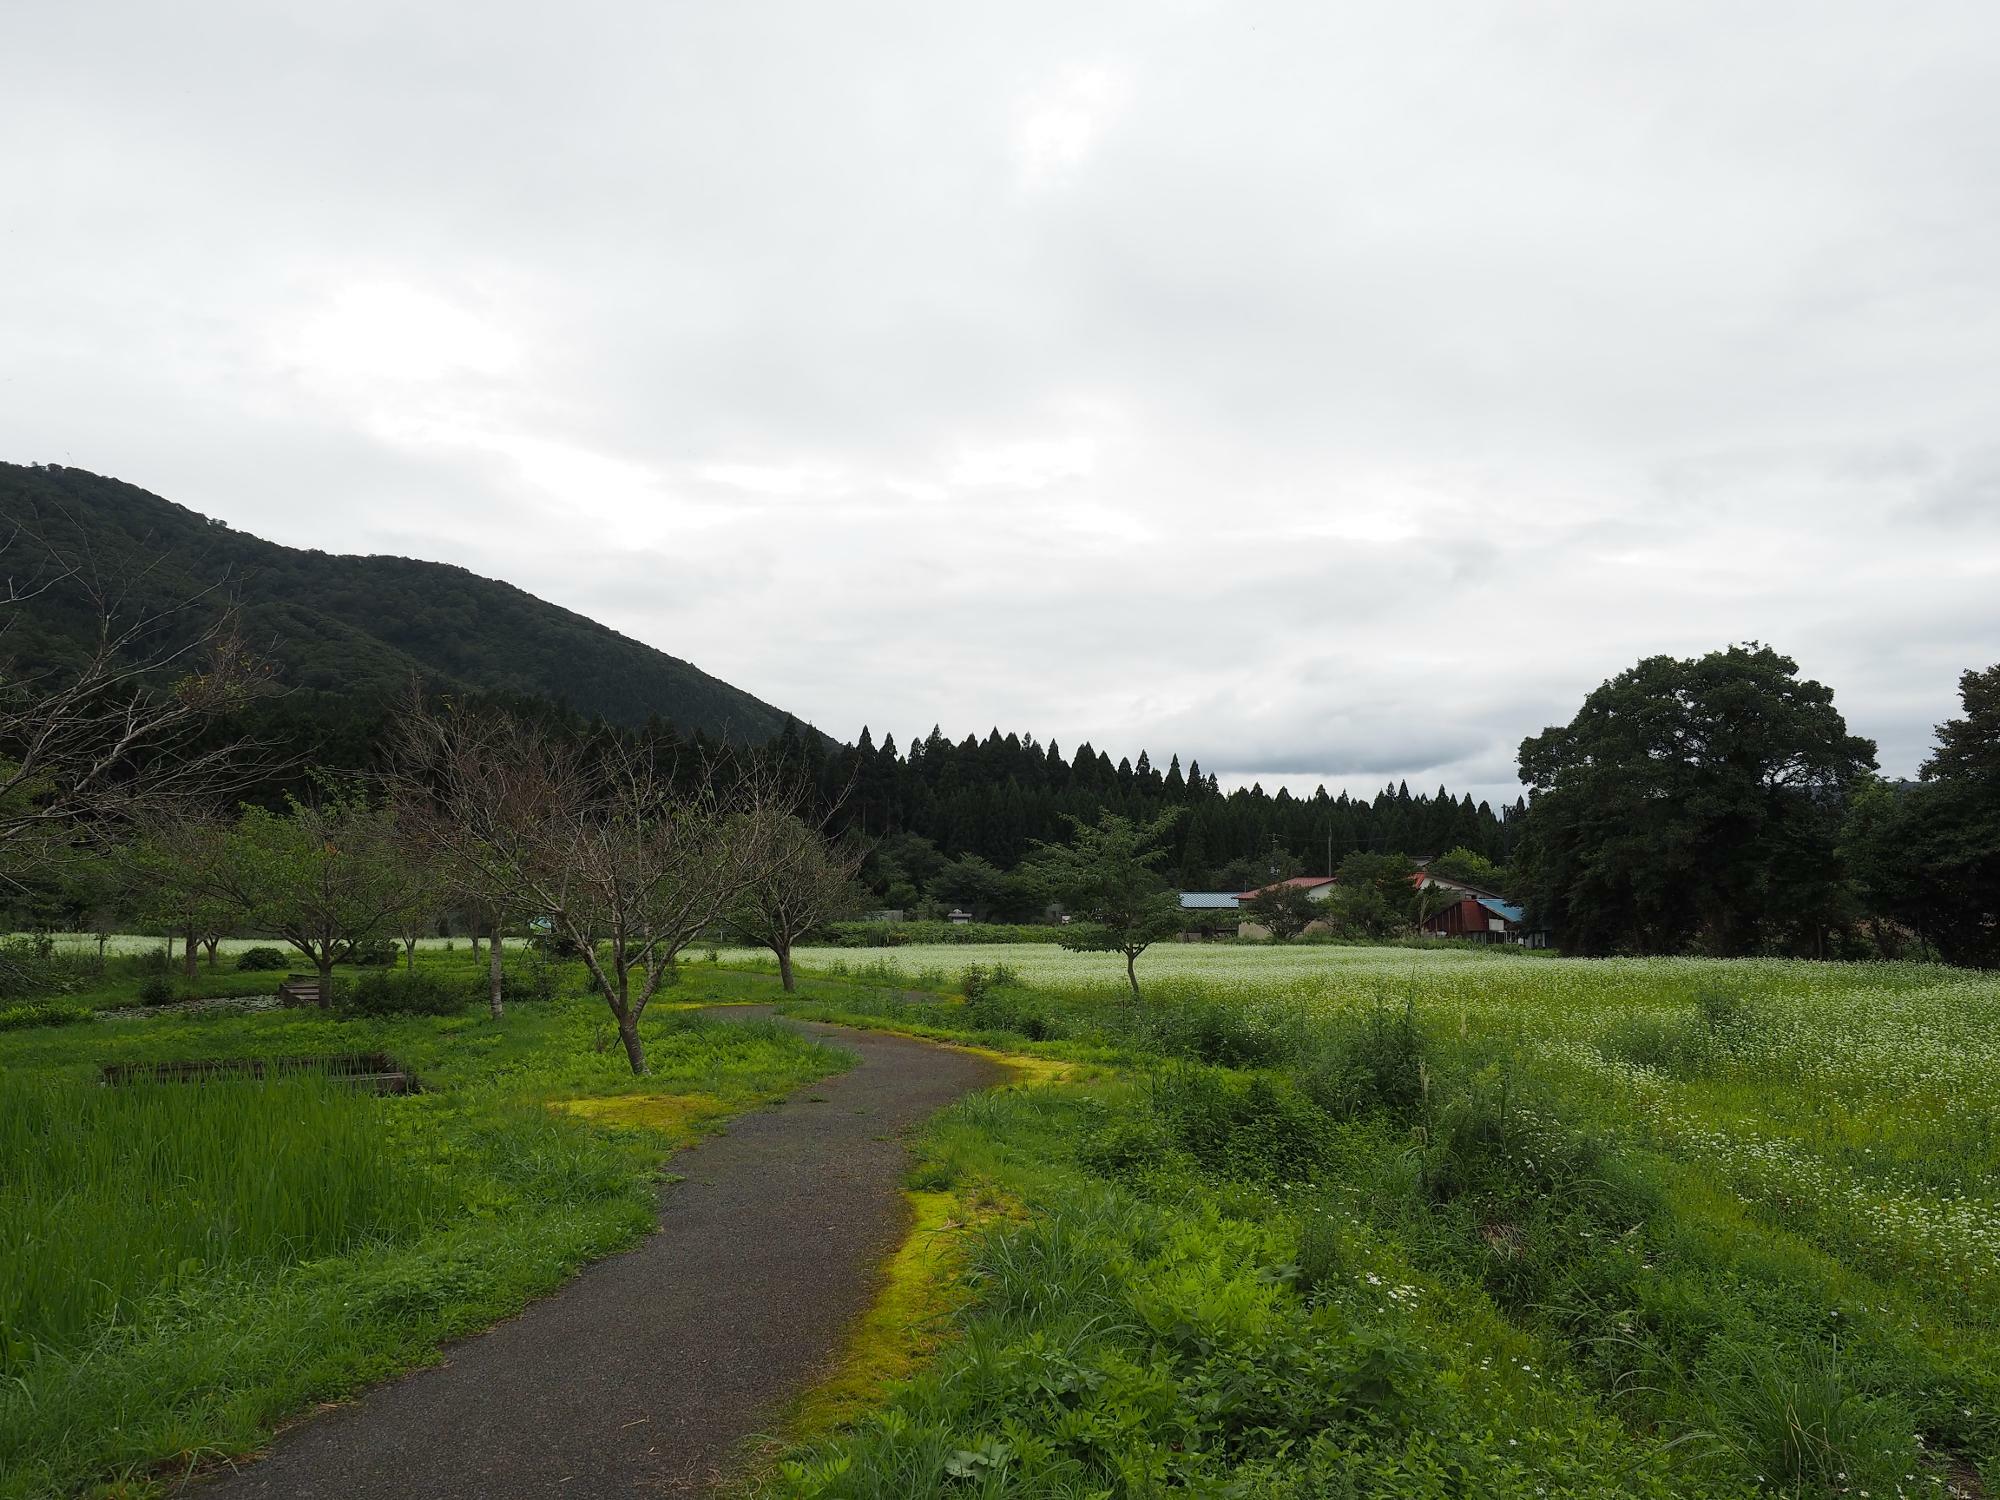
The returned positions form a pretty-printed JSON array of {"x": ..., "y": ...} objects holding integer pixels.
[
  {"x": 1715, "y": 804},
  {"x": 951, "y": 811}
]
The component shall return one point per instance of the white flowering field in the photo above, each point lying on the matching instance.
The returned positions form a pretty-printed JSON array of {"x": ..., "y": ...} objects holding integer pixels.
[
  {"x": 1859, "y": 1104},
  {"x": 1706, "y": 1228}
]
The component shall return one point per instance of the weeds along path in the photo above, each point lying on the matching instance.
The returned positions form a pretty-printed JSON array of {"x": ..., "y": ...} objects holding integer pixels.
[{"x": 641, "y": 1375}]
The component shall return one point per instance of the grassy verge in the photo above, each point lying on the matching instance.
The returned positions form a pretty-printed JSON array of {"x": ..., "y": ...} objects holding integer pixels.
[
  {"x": 1367, "y": 1251},
  {"x": 184, "y": 1266}
]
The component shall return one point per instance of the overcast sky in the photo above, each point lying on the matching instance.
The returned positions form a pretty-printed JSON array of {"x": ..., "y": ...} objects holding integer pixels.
[{"x": 1328, "y": 391}]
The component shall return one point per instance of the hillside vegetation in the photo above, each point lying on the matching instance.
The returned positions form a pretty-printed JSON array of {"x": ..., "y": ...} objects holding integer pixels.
[{"x": 357, "y": 627}]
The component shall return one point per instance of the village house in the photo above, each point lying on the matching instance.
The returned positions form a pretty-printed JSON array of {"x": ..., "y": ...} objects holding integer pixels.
[
  {"x": 1316, "y": 887},
  {"x": 1483, "y": 919}
]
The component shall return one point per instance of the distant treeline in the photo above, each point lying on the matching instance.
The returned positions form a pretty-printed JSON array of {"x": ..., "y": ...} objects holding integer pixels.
[
  {"x": 988, "y": 799},
  {"x": 994, "y": 798}
]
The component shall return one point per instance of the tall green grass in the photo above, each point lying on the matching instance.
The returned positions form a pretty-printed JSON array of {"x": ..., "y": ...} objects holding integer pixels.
[
  {"x": 1746, "y": 1213},
  {"x": 109, "y": 1195},
  {"x": 182, "y": 1267}
]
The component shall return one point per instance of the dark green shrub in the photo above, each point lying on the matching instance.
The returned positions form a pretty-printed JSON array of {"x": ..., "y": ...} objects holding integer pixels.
[
  {"x": 1255, "y": 1130},
  {"x": 976, "y": 979},
  {"x": 1377, "y": 1064},
  {"x": 376, "y": 953},
  {"x": 1729, "y": 1021},
  {"x": 996, "y": 1009},
  {"x": 1672, "y": 1045},
  {"x": 1323, "y": 1259},
  {"x": 1221, "y": 1032},
  {"x": 263, "y": 958},
  {"x": 18, "y": 1017},
  {"x": 1126, "y": 1150},
  {"x": 1479, "y": 1137},
  {"x": 530, "y": 976},
  {"x": 554, "y": 945},
  {"x": 401, "y": 994},
  {"x": 157, "y": 989}
]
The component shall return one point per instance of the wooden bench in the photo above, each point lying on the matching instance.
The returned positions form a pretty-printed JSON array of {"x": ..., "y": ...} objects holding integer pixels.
[{"x": 299, "y": 989}]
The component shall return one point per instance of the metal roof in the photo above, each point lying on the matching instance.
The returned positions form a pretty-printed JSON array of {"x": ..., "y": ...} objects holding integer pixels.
[
  {"x": 1301, "y": 882},
  {"x": 1505, "y": 909},
  {"x": 1208, "y": 900}
]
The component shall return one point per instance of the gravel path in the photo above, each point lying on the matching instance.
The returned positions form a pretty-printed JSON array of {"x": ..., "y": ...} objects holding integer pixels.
[{"x": 642, "y": 1375}]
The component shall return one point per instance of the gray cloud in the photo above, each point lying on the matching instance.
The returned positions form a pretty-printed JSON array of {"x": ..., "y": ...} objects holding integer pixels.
[
  {"x": 1320, "y": 391},
  {"x": 1966, "y": 495}
]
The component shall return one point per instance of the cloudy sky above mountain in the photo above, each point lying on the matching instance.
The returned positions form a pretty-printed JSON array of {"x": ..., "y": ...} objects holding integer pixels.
[{"x": 1331, "y": 392}]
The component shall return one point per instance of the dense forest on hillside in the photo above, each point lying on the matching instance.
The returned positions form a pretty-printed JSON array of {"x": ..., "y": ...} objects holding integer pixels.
[
  {"x": 347, "y": 635},
  {"x": 340, "y": 627}
]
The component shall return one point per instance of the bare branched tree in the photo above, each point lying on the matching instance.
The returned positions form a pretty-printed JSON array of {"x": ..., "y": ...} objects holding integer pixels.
[
  {"x": 181, "y": 879},
  {"x": 426, "y": 893},
  {"x": 609, "y": 847},
  {"x": 812, "y": 882},
  {"x": 124, "y": 732}
]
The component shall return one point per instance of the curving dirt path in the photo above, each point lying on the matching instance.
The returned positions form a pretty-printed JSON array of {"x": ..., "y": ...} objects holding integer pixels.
[{"x": 641, "y": 1375}]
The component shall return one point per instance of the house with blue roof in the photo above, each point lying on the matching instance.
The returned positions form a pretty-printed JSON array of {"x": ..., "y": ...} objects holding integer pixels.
[{"x": 1483, "y": 919}]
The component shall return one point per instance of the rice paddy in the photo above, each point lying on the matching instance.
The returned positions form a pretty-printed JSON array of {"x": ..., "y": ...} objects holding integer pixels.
[{"x": 226, "y": 1177}]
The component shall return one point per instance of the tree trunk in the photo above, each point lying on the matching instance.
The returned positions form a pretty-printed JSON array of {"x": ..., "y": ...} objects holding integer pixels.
[
  {"x": 494, "y": 973},
  {"x": 189, "y": 955},
  {"x": 635, "y": 1052},
  {"x": 102, "y": 939},
  {"x": 785, "y": 975},
  {"x": 326, "y": 983},
  {"x": 1132, "y": 971},
  {"x": 212, "y": 944},
  {"x": 475, "y": 945}
]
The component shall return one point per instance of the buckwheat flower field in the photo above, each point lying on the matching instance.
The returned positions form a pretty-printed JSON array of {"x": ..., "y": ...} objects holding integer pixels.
[
  {"x": 1728, "y": 1227},
  {"x": 1855, "y": 1103}
]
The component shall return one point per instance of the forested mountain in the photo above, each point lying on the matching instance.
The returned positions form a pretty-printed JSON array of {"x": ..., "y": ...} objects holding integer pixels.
[
  {"x": 346, "y": 635},
  {"x": 348, "y": 629}
]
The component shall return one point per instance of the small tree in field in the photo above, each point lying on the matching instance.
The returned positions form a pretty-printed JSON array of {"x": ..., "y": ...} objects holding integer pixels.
[
  {"x": 97, "y": 891},
  {"x": 617, "y": 853},
  {"x": 807, "y": 881},
  {"x": 425, "y": 895},
  {"x": 1108, "y": 875},
  {"x": 1376, "y": 895},
  {"x": 181, "y": 881},
  {"x": 1283, "y": 910},
  {"x": 325, "y": 876}
]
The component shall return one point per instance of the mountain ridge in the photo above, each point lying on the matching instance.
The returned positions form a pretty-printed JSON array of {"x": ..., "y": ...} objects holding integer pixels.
[{"x": 355, "y": 623}]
